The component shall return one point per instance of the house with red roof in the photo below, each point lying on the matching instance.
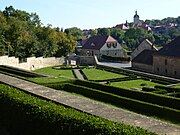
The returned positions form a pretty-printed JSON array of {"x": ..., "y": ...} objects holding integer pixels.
[{"x": 102, "y": 45}]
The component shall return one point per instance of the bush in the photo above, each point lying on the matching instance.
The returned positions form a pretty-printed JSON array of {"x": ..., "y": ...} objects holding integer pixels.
[
  {"x": 28, "y": 115},
  {"x": 18, "y": 72},
  {"x": 116, "y": 79},
  {"x": 128, "y": 103},
  {"x": 142, "y": 96},
  {"x": 169, "y": 89},
  {"x": 175, "y": 94}
]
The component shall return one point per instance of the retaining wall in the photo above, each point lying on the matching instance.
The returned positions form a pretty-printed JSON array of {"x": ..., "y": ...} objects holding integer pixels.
[{"x": 32, "y": 62}]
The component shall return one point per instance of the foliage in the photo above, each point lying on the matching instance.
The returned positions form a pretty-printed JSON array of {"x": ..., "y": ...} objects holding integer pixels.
[
  {"x": 23, "y": 36},
  {"x": 128, "y": 103},
  {"x": 18, "y": 72},
  {"x": 135, "y": 35},
  {"x": 32, "y": 115},
  {"x": 138, "y": 95},
  {"x": 134, "y": 84}
]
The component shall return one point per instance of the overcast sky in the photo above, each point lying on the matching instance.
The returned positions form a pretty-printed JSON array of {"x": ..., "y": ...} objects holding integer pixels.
[{"x": 90, "y": 14}]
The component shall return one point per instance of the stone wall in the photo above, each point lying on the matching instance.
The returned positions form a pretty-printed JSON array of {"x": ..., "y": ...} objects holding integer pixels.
[
  {"x": 86, "y": 60},
  {"x": 142, "y": 67},
  {"x": 168, "y": 66},
  {"x": 146, "y": 44},
  {"x": 32, "y": 62}
]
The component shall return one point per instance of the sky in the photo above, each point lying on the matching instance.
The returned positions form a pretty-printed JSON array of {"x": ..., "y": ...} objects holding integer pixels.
[{"x": 91, "y": 14}]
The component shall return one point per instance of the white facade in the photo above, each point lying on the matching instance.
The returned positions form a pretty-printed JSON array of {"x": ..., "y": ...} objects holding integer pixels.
[{"x": 113, "y": 49}]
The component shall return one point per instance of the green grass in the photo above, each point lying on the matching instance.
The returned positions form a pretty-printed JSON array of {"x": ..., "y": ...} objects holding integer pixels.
[
  {"x": 43, "y": 80},
  {"x": 175, "y": 86},
  {"x": 134, "y": 84},
  {"x": 96, "y": 74},
  {"x": 55, "y": 72}
]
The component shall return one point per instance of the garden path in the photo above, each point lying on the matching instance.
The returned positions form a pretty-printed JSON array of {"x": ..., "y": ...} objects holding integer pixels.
[
  {"x": 93, "y": 107},
  {"x": 78, "y": 74}
]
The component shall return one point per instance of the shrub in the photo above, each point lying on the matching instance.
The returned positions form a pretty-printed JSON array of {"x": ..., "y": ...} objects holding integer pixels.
[
  {"x": 29, "y": 115},
  {"x": 128, "y": 103},
  {"x": 142, "y": 96},
  {"x": 18, "y": 72},
  {"x": 169, "y": 89}
]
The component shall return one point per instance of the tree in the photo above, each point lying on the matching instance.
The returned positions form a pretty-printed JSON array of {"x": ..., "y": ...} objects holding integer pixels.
[
  {"x": 118, "y": 34},
  {"x": 103, "y": 31},
  {"x": 138, "y": 35},
  {"x": 76, "y": 32}
]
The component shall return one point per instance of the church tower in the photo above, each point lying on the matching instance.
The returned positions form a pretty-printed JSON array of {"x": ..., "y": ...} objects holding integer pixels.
[{"x": 136, "y": 19}]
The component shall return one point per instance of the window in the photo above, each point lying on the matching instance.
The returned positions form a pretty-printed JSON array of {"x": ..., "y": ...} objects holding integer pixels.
[
  {"x": 175, "y": 73},
  {"x": 166, "y": 71},
  {"x": 115, "y": 45},
  {"x": 165, "y": 61},
  {"x": 109, "y": 45}
]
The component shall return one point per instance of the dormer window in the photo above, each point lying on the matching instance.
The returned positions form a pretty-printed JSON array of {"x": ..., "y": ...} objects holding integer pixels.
[
  {"x": 114, "y": 45},
  {"x": 92, "y": 44},
  {"x": 109, "y": 45}
]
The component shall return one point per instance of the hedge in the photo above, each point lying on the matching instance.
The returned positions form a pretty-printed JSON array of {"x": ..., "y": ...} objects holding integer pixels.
[
  {"x": 169, "y": 89},
  {"x": 128, "y": 103},
  {"x": 18, "y": 72},
  {"x": 116, "y": 79},
  {"x": 136, "y": 73},
  {"x": 24, "y": 114},
  {"x": 154, "y": 90},
  {"x": 138, "y": 95}
]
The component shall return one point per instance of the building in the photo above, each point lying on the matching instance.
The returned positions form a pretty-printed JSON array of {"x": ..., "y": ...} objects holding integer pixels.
[
  {"x": 137, "y": 21},
  {"x": 122, "y": 27},
  {"x": 102, "y": 45},
  {"x": 144, "y": 61},
  {"x": 146, "y": 44},
  {"x": 165, "y": 62}
]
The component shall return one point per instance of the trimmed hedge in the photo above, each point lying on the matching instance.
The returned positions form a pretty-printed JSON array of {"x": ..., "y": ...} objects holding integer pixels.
[
  {"x": 18, "y": 72},
  {"x": 116, "y": 79},
  {"x": 136, "y": 73},
  {"x": 154, "y": 90},
  {"x": 138, "y": 95},
  {"x": 169, "y": 89},
  {"x": 128, "y": 103},
  {"x": 23, "y": 114}
]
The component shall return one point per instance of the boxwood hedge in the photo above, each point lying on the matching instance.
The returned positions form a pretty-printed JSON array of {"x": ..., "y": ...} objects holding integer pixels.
[
  {"x": 24, "y": 114},
  {"x": 138, "y": 95},
  {"x": 128, "y": 103}
]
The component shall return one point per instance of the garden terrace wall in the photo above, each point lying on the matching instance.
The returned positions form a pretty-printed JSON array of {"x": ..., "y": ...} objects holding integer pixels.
[
  {"x": 142, "y": 96},
  {"x": 32, "y": 63}
]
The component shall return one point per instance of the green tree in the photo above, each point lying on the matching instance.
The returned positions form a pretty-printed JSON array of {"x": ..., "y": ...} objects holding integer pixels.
[
  {"x": 138, "y": 35},
  {"x": 76, "y": 32},
  {"x": 103, "y": 31},
  {"x": 117, "y": 34}
]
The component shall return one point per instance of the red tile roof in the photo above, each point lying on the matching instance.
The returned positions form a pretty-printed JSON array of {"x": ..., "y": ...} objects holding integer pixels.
[{"x": 96, "y": 42}]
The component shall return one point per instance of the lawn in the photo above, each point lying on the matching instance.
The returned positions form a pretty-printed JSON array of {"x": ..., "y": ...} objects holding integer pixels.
[
  {"x": 134, "y": 84},
  {"x": 55, "y": 72},
  {"x": 176, "y": 86},
  {"x": 97, "y": 74},
  {"x": 43, "y": 80}
]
